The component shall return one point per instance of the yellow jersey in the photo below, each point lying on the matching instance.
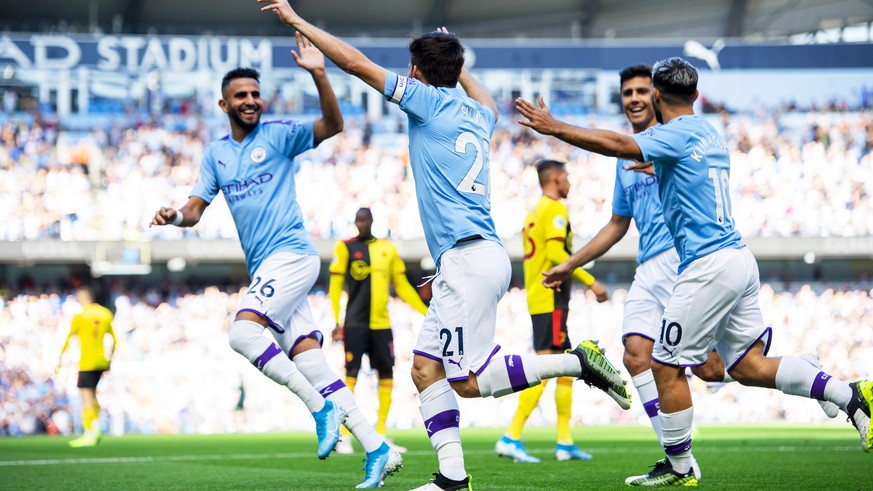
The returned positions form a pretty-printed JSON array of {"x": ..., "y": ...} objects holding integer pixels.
[
  {"x": 91, "y": 326},
  {"x": 548, "y": 242},
  {"x": 368, "y": 268}
]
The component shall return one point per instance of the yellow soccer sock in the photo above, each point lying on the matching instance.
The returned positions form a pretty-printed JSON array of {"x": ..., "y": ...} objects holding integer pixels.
[
  {"x": 527, "y": 401},
  {"x": 386, "y": 386},
  {"x": 87, "y": 418},
  {"x": 350, "y": 383},
  {"x": 564, "y": 403},
  {"x": 95, "y": 417}
]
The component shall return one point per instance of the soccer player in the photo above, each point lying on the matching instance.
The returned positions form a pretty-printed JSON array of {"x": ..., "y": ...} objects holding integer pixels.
[
  {"x": 91, "y": 326},
  {"x": 714, "y": 303},
  {"x": 449, "y": 133},
  {"x": 547, "y": 242},
  {"x": 369, "y": 266},
  {"x": 254, "y": 169}
]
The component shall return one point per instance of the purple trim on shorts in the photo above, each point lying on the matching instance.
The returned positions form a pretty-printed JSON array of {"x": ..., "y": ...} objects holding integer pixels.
[
  {"x": 515, "y": 370},
  {"x": 266, "y": 356},
  {"x": 488, "y": 360},
  {"x": 274, "y": 325},
  {"x": 332, "y": 388},
  {"x": 768, "y": 330},
  {"x": 678, "y": 448},
  {"x": 458, "y": 379},
  {"x": 637, "y": 334},
  {"x": 818, "y": 386},
  {"x": 427, "y": 355},
  {"x": 681, "y": 365},
  {"x": 444, "y": 420},
  {"x": 652, "y": 407},
  {"x": 318, "y": 337}
]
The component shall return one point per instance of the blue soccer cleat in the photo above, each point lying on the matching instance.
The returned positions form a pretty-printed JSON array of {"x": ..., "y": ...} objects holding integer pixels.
[
  {"x": 570, "y": 451},
  {"x": 378, "y": 465},
  {"x": 327, "y": 427},
  {"x": 513, "y": 449}
]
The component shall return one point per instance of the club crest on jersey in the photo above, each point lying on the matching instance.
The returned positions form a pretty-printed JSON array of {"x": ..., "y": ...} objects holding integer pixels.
[{"x": 258, "y": 155}]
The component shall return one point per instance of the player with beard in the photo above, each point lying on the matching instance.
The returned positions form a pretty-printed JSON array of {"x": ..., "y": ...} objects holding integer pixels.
[{"x": 253, "y": 166}]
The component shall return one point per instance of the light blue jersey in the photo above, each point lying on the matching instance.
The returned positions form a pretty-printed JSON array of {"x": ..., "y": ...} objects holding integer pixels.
[
  {"x": 257, "y": 179},
  {"x": 636, "y": 196},
  {"x": 693, "y": 165},
  {"x": 449, "y": 142}
]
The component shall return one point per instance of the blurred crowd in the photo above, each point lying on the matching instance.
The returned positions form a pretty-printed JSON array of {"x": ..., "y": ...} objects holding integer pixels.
[
  {"x": 174, "y": 372},
  {"x": 793, "y": 174}
]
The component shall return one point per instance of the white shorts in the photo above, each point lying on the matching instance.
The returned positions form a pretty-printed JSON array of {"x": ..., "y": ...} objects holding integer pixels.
[
  {"x": 458, "y": 329},
  {"x": 649, "y": 294},
  {"x": 278, "y": 293},
  {"x": 714, "y": 305}
]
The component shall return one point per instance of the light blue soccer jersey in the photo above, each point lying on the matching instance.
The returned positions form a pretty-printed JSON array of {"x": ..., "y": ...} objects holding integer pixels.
[
  {"x": 257, "y": 179},
  {"x": 693, "y": 165},
  {"x": 449, "y": 142},
  {"x": 636, "y": 196}
]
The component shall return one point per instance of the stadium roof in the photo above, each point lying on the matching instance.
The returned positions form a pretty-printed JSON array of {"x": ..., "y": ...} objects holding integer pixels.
[{"x": 573, "y": 19}]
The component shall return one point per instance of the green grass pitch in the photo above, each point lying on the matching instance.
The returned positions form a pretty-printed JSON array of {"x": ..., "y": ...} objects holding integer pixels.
[{"x": 731, "y": 457}]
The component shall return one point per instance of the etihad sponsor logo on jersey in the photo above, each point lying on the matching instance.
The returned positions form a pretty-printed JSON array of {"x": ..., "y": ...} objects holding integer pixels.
[
  {"x": 238, "y": 191},
  {"x": 641, "y": 187}
]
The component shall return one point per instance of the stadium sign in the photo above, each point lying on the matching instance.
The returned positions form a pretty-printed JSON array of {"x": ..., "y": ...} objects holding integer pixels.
[{"x": 210, "y": 53}]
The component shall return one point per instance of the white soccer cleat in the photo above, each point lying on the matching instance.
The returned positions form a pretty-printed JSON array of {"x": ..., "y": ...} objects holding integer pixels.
[{"x": 829, "y": 408}]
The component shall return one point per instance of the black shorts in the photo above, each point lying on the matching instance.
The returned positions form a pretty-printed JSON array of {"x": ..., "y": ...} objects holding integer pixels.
[
  {"x": 88, "y": 379},
  {"x": 550, "y": 331},
  {"x": 378, "y": 344}
]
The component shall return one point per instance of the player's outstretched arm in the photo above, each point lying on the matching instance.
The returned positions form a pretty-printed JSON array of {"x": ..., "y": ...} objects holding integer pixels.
[
  {"x": 310, "y": 59},
  {"x": 186, "y": 216},
  {"x": 604, "y": 142},
  {"x": 342, "y": 54},
  {"x": 607, "y": 237},
  {"x": 476, "y": 92}
]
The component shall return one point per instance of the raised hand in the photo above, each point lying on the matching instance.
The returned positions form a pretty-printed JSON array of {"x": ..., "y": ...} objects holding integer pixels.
[
  {"x": 281, "y": 8},
  {"x": 539, "y": 118},
  {"x": 307, "y": 56}
]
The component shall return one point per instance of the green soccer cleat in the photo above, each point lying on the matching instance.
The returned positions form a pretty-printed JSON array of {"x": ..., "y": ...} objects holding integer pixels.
[
  {"x": 662, "y": 474},
  {"x": 859, "y": 409},
  {"x": 598, "y": 372},
  {"x": 87, "y": 440}
]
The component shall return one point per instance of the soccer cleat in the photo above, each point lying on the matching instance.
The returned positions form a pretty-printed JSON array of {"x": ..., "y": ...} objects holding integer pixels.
[
  {"x": 378, "y": 465},
  {"x": 513, "y": 449},
  {"x": 829, "y": 408},
  {"x": 443, "y": 483},
  {"x": 598, "y": 372},
  {"x": 570, "y": 452},
  {"x": 344, "y": 446},
  {"x": 859, "y": 408},
  {"x": 662, "y": 474},
  {"x": 86, "y": 440},
  {"x": 327, "y": 427}
]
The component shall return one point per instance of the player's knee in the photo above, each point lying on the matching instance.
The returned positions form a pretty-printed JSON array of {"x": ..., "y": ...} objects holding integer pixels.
[
  {"x": 242, "y": 334},
  {"x": 635, "y": 362},
  {"x": 467, "y": 389},
  {"x": 709, "y": 373}
]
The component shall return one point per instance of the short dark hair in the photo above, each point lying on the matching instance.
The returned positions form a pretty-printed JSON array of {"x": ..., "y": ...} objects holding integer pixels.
[
  {"x": 439, "y": 57},
  {"x": 239, "y": 73},
  {"x": 676, "y": 79},
  {"x": 634, "y": 71},
  {"x": 546, "y": 167},
  {"x": 366, "y": 211}
]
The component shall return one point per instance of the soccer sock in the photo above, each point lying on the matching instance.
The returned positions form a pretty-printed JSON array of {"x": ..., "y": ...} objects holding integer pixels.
[
  {"x": 527, "y": 401},
  {"x": 313, "y": 366},
  {"x": 385, "y": 387},
  {"x": 350, "y": 383},
  {"x": 246, "y": 338},
  {"x": 95, "y": 417},
  {"x": 87, "y": 418},
  {"x": 645, "y": 384},
  {"x": 798, "y": 377},
  {"x": 677, "y": 438},
  {"x": 513, "y": 373},
  {"x": 439, "y": 411},
  {"x": 564, "y": 404}
]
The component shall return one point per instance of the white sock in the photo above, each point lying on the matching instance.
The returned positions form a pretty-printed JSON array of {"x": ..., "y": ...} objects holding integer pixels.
[
  {"x": 513, "y": 373},
  {"x": 645, "y": 384},
  {"x": 676, "y": 429},
  {"x": 441, "y": 416},
  {"x": 246, "y": 338},
  {"x": 314, "y": 367},
  {"x": 798, "y": 377}
]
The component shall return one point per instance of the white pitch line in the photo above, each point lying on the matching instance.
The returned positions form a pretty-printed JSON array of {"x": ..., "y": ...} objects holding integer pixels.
[{"x": 310, "y": 455}]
